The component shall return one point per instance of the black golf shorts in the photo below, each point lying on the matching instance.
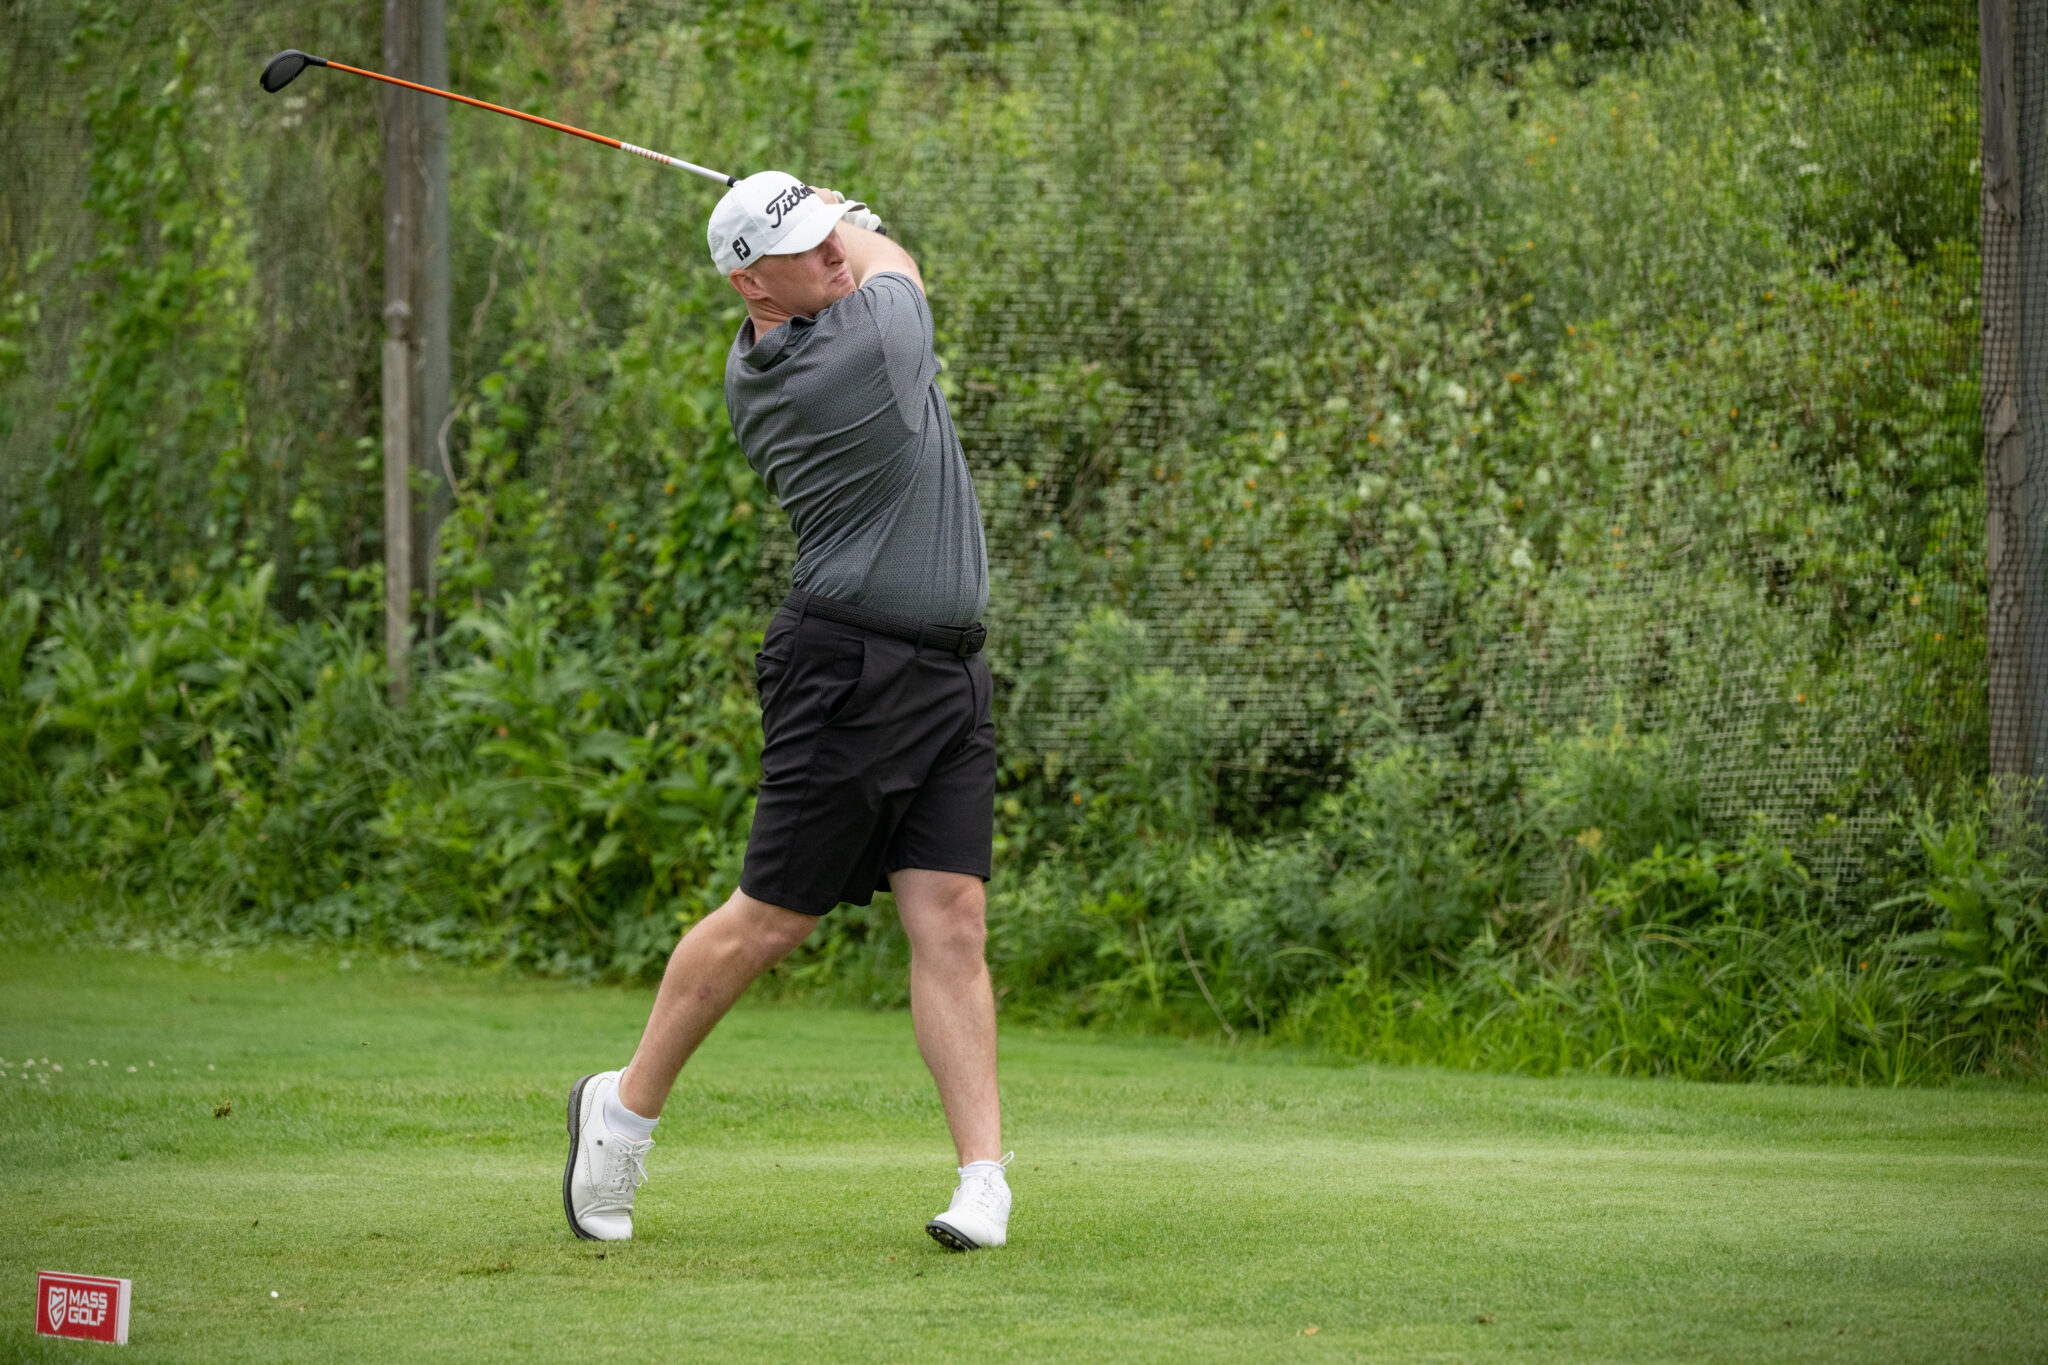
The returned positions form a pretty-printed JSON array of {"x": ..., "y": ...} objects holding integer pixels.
[{"x": 877, "y": 755}]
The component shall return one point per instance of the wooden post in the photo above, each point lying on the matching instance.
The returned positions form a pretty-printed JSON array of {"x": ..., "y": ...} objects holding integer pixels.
[
  {"x": 397, "y": 501},
  {"x": 400, "y": 417},
  {"x": 430, "y": 295},
  {"x": 415, "y": 319}
]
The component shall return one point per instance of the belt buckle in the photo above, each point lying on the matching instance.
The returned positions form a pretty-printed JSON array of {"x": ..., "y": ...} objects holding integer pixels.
[{"x": 971, "y": 640}]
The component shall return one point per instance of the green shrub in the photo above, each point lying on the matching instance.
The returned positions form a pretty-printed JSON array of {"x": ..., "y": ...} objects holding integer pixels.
[
  {"x": 1990, "y": 939},
  {"x": 551, "y": 802},
  {"x": 205, "y": 752},
  {"x": 573, "y": 805}
]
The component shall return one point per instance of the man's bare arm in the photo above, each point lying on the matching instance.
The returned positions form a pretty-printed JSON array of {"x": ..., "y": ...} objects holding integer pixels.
[{"x": 869, "y": 254}]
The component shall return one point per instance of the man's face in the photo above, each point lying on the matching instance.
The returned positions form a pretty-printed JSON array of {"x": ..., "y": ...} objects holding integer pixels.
[{"x": 801, "y": 285}]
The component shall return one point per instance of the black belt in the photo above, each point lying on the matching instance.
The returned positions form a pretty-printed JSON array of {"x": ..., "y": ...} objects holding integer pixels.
[{"x": 959, "y": 640}]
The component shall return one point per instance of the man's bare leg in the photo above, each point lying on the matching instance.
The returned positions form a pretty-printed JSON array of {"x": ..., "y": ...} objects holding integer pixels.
[
  {"x": 952, "y": 1007},
  {"x": 715, "y": 962}
]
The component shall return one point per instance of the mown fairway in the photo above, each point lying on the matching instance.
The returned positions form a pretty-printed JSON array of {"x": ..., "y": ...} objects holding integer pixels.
[{"x": 391, "y": 1168}]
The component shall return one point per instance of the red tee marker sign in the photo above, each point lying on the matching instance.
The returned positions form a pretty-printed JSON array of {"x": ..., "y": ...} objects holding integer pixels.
[{"x": 90, "y": 1307}]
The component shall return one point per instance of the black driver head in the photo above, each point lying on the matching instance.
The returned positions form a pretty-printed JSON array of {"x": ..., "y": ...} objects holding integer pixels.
[{"x": 285, "y": 67}]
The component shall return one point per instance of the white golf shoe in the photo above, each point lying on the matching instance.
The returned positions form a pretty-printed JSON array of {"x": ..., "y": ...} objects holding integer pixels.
[
  {"x": 979, "y": 1215},
  {"x": 605, "y": 1168}
]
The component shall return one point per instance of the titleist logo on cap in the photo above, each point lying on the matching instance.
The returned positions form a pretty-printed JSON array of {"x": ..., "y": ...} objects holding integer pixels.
[{"x": 784, "y": 202}]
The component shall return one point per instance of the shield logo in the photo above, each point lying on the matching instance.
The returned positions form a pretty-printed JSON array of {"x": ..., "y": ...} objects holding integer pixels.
[{"x": 58, "y": 1298}]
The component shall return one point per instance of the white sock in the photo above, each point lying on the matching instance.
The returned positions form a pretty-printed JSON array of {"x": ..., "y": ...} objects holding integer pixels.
[
  {"x": 983, "y": 1168},
  {"x": 620, "y": 1119}
]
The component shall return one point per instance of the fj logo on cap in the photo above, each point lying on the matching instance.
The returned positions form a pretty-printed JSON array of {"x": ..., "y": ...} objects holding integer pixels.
[{"x": 740, "y": 248}]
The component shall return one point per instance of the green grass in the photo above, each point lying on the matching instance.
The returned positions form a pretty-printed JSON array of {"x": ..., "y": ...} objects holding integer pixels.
[{"x": 391, "y": 1168}]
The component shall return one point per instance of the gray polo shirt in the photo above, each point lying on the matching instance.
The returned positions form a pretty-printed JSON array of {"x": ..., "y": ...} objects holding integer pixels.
[{"x": 841, "y": 416}]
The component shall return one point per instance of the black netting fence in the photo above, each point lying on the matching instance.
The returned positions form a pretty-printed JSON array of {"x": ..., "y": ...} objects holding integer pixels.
[{"x": 1482, "y": 378}]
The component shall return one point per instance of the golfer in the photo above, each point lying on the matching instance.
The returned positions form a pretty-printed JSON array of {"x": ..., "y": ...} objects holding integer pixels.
[{"x": 878, "y": 760}]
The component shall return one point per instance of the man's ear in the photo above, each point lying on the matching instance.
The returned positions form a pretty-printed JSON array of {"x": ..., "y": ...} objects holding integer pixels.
[{"x": 749, "y": 287}]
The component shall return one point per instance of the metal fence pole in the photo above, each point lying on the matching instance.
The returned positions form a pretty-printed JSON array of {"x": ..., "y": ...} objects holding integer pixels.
[
  {"x": 2004, "y": 449},
  {"x": 2013, "y": 72},
  {"x": 2029, "y": 104}
]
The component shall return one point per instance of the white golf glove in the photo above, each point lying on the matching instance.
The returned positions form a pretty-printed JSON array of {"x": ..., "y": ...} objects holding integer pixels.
[{"x": 861, "y": 216}]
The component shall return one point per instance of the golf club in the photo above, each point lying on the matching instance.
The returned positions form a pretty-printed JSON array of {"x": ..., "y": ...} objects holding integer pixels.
[{"x": 285, "y": 67}]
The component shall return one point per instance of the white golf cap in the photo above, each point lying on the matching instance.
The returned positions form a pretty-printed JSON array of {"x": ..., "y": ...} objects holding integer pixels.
[{"x": 770, "y": 213}]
